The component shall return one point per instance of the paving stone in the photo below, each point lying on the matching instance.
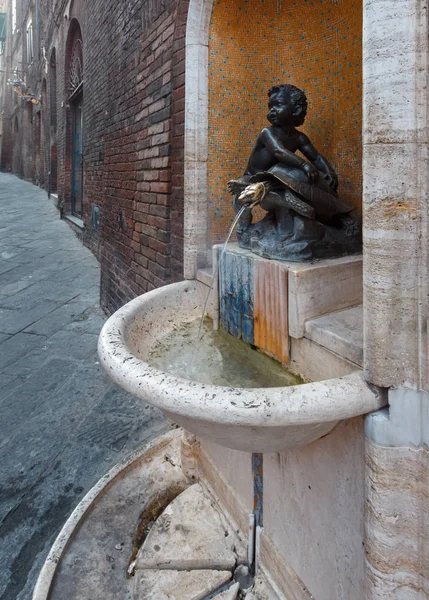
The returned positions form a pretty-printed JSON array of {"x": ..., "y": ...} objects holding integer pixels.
[
  {"x": 189, "y": 534},
  {"x": 57, "y": 426},
  {"x": 42, "y": 291},
  {"x": 91, "y": 321},
  {"x": 29, "y": 364},
  {"x": 77, "y": 345},
  {"x": 177, "y": 585},
  {"x": 14, "y": 321},
  {"x": 8, "y": 265},
  {"x": 230, "y": 594},
  {"x": 58, "y": 318},
  {"x": 13, "y": 288},
  {"x": 23, "y": 272},
  {"x": 6, "y": 255},
  {"x": 18, "y": 346}
]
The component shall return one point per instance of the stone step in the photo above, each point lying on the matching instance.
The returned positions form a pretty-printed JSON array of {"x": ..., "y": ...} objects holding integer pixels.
[
  {"x": 153, "y": 584},
  {"x": 189, "y": 534},
  {"x": 192, "y": 553},
  {"x": 340, "y": 332}
]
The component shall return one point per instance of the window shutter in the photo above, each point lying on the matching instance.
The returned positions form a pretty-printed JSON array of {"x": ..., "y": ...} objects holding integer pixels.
[{"x": 3, "y": 26}]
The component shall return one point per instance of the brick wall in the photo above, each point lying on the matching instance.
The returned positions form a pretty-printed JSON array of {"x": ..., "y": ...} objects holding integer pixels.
[{"x": 133, "y": 104}]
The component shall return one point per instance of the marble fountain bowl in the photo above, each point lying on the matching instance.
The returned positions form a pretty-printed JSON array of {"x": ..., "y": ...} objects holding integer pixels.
[{"x": 253, "y": 419}]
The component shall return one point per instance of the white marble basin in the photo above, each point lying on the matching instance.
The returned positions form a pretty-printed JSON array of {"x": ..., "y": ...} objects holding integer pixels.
[{"x": 253, "y": 420}]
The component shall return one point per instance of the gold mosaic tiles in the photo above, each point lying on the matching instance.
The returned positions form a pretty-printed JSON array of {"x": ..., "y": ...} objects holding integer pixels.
[{"x": 254, "y": 44}]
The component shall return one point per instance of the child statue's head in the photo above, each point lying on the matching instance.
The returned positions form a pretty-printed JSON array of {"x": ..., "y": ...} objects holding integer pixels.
[{"x": 293, "y": 97}]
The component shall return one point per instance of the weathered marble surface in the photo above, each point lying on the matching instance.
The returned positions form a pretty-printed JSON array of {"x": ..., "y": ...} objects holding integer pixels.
[
  {"x": 177, "y": 585},
  {"x": 394, "y": 52},
  {"x": 275, "y": 299},
  {"x": 405, "y": 422},
  {"x": 196, "y": 137},
  {"x": 229, "y": 594},
  {"x": 254, "y": 420},
  {"x": 314, "y": 362},
  {"x": 190, "y": 534},
  {"x": 322, "y": 288},
  {"x": 395, "y": 276},
  {"x": 395, "y": 160},
  {"x": 313, "y": 519},
  {"x": 397, "y": 523},
  {"x": 395, "y": 169},
  {"x": 340, "y": 332}
]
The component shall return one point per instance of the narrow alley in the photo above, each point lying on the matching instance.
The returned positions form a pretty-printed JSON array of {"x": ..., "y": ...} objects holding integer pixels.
[{"x": 63, "y": 424}]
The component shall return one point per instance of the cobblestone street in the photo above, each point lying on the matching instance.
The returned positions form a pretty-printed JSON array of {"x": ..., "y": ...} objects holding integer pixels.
[{"x": 63, "y": 424}]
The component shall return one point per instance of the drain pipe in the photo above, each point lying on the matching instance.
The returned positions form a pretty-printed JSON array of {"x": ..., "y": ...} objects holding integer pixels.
[
  {"x": 251, "y": 541},
  {"x": 215, "y": 287},
  {"x": 256, "y": 518}
]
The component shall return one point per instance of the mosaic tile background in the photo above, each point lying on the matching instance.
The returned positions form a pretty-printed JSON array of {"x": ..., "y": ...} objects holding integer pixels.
[{"x": 254, "y": 44}]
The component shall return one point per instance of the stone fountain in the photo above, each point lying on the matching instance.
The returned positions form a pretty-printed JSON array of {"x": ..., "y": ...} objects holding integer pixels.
[
  {"x": 274, "y": 291},
  {"x": 305, "y": 220},
  {"x": 266, "y": 419}
]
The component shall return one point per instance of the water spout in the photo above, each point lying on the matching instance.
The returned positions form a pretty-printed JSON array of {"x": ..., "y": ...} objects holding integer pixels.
[{"x": 216, "y": 272}]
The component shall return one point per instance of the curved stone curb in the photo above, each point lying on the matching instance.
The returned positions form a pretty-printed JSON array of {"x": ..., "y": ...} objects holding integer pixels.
[{"x": 51, "y": 564}]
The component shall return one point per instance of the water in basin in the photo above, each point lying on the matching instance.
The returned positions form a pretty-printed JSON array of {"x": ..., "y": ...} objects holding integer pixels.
[{"x": 217, "y": 358}]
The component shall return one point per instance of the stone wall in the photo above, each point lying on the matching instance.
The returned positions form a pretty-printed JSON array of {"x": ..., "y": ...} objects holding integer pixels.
[
  {"x": 133, "y": 107},
  {"x": 314, "y": 499}
]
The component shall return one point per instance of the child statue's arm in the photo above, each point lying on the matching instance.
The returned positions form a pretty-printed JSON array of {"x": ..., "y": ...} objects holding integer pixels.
[{"x": 319, "y": 161}]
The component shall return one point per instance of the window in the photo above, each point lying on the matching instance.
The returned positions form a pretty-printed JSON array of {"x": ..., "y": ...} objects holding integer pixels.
[
  {"x": 13, "y": 16},
  {"x": 30, "y": 48},
  {"x": 76, "y": 66},
  {"x": 3, "y": 31}
]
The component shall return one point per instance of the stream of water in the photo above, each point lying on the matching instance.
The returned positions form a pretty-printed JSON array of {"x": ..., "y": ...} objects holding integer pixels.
[
  {"x": 216, "y": 272},
  {"x": 196, "y": 351}
]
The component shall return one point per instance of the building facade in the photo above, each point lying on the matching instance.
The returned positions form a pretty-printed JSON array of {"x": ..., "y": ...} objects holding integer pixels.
[{"x": 93, "y": 111}]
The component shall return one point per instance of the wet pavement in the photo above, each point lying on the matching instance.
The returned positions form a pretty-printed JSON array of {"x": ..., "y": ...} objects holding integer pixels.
[{"x": 63, "y": 424}]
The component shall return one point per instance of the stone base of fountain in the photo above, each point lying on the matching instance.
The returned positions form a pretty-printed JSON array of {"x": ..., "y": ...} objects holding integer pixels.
[
  {"x": 266, "y": 302},
  {"x": 151, "y": 529}
]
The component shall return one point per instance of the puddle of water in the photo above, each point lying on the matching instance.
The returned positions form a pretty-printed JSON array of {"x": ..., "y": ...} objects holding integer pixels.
[{"x": 217, "y": 359}]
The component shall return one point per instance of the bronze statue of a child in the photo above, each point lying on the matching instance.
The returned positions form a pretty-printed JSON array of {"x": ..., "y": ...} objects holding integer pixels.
[
  {"x": 305, "y": 218},
  {"x": 278, "y": 143}
]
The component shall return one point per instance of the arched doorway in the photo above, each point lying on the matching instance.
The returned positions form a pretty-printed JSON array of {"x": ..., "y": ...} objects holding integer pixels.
[
  {"x": 38, "y": 136},
  {"x": 52, "y": 185},
  {"x": 43, "y": 136},
  {"x": 27, "y": 139},
  {"x": 16, "y": 152},
  {"x": 74, "y": 92}
]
